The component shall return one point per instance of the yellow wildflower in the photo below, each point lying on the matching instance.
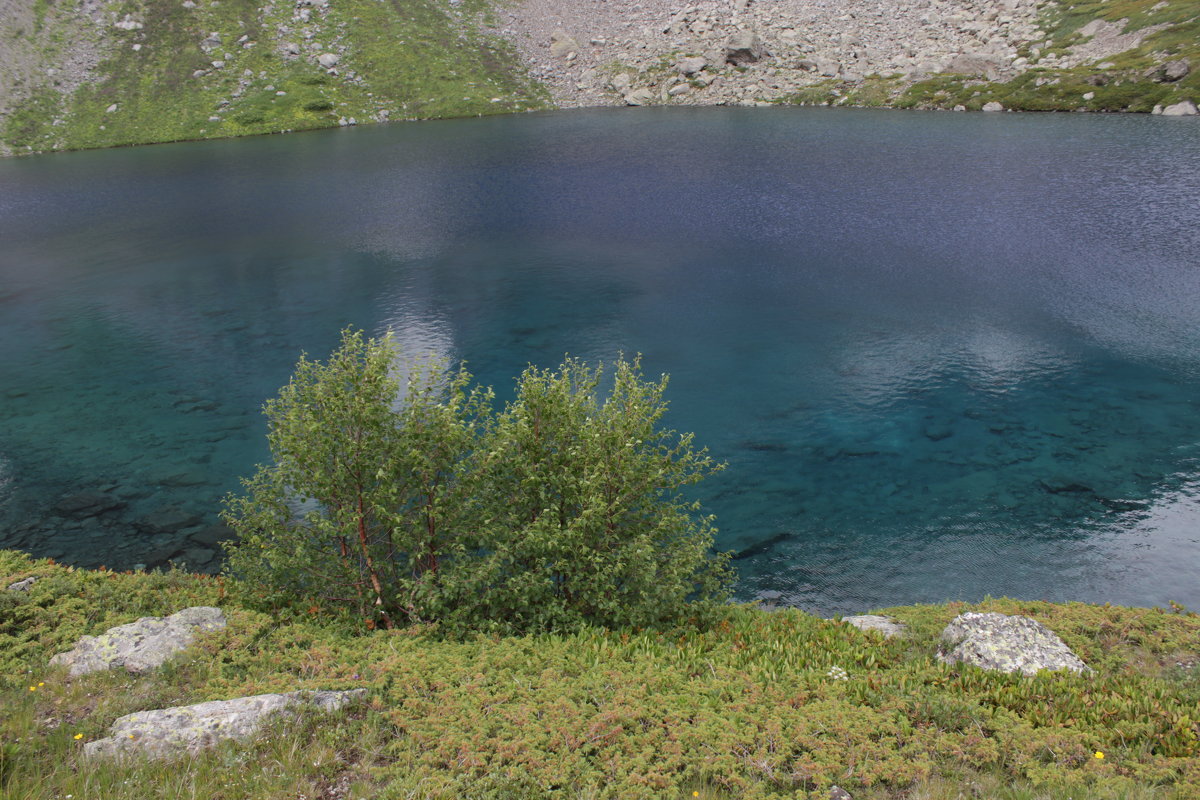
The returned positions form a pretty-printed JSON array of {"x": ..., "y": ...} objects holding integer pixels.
[
  {"x": 78, "y": 736},
  {"x": 1099, "y": 754}
]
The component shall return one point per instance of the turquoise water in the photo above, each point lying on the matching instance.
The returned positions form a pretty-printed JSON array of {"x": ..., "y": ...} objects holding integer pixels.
[{"x": 945, "y": 355}]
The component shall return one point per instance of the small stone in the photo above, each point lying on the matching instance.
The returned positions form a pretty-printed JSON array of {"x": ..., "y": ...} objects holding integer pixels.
[
  {"x": 137, "y": 47},
  {"x": 23, "y": 585},
  {"x": 1089, "y": 95},
  {"x": 218, "y": 64},
  {"x": 680, "y": 89},
  {"x": 838, "y": 793},
  {"x": 873, "y": 622},
  {"x": 328, "y": 60},
  {"x": 993, "y": 106}
]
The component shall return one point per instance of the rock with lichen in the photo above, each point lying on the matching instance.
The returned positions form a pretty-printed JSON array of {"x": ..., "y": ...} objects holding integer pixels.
[
  {"x": 1006, "y": 644},
  {"x": 140, "y": 646},
  {"x": 167, "y": 732}
]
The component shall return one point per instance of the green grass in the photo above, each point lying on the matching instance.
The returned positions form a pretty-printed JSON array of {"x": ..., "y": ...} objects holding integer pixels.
[
  {"x": 404, "y": 59},
  {"x": 745, "y": 708}
]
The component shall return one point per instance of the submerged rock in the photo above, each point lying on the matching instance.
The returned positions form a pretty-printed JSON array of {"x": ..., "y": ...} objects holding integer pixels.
[
  {"x": 187, "y": 729},
  {"x": 140, "y": 646},
  {"x": 1007, "y": 644}
]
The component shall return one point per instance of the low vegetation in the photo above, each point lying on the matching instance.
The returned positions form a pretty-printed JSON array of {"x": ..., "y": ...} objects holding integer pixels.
[
  {"x": 751, "y": 705},
  {"x": 418, "y": 59}
]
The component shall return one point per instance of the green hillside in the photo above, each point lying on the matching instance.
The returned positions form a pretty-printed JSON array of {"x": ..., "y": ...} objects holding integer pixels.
[{"x": 214, "y": 68}]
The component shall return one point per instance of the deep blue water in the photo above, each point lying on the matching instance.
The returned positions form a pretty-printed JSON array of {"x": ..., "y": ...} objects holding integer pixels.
[{"x": 945, "y": 355}]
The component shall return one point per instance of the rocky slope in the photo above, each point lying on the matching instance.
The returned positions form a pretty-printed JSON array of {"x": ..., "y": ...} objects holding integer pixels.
[
  {"x": 931, "y": 53},
  {"x": 96, "y": 73}
]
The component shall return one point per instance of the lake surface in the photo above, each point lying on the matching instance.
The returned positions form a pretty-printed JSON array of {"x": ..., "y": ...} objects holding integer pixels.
[{"x": 944, "y": 355}]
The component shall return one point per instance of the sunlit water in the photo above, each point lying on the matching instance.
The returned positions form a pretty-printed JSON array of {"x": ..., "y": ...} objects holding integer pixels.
[{"x": 945, "y": 355}]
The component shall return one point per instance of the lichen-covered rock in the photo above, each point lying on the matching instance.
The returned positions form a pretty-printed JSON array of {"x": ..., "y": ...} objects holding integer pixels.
[
  {"x": 140, "y": 646},
  {"x": 1007, "y": 644},
  {"x": 873, "y": 622},
  {"x": 23, "y": 585},
  {"x": 167, "y": 732}
]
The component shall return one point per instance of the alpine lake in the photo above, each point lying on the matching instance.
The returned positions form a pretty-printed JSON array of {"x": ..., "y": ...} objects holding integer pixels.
[{"x": 944, "y": 355}]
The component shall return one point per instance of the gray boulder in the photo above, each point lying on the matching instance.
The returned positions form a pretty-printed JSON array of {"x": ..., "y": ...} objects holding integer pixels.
[
  {"x": 23, "y": 585},
  {"x": 639, "y": 97},
  {"x": 873, "y": 622},
  {"x": 140, "y": 646},
  {"x": 1007, "y": 644},
  {"x": 993, "y": 106},
  {"x": 988, "y": 66},
  {"x": 744, "y": 47},
  {"x": 563, "y": 45},
  {"x": 1171, "y": 71},
  {"x": 692, "y": 65},
  {"x": 187, "y": 729},
  {"x": 1185, "y": 108}
]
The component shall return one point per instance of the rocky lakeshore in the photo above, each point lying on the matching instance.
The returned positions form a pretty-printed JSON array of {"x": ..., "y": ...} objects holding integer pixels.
[
  {"x": 97, "y": 75},
  {"x": 832, "y": 52}
]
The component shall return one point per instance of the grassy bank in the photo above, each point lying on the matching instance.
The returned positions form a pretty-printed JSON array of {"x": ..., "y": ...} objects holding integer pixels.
[
  {"x": 218, "y": 68},
  {"x": 749, "y": 708}
]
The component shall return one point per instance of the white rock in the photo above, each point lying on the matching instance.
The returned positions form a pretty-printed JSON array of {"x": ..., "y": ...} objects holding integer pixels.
[
  {"x": 874, "y": 622},
  {"x": 143, "y": 645},
  {"x": 1007, "y": 644},
  {"x": 128, "y": 24},
  {"x": 1088, "y": 95},
  {"x": 111, "y": 109},
  {"x": 167, "y": 732},
  {"x": 328, "y": 60},
  {"x": 993, "y": 106},
  {"x": 1185, "y": 108}
]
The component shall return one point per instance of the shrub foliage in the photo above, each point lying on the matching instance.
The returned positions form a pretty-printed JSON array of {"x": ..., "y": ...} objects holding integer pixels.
[{"x": 418, "y": 502}]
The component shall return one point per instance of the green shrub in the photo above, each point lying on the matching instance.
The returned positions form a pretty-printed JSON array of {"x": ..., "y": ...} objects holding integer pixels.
[{"x": 426, "y": 505}]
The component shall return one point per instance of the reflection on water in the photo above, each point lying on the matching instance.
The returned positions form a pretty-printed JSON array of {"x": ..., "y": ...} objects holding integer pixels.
[{"x": 944, "y": 356}]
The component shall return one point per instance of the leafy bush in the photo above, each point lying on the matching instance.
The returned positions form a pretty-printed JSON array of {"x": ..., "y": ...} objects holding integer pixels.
[{"x": 427, "y": 505}]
